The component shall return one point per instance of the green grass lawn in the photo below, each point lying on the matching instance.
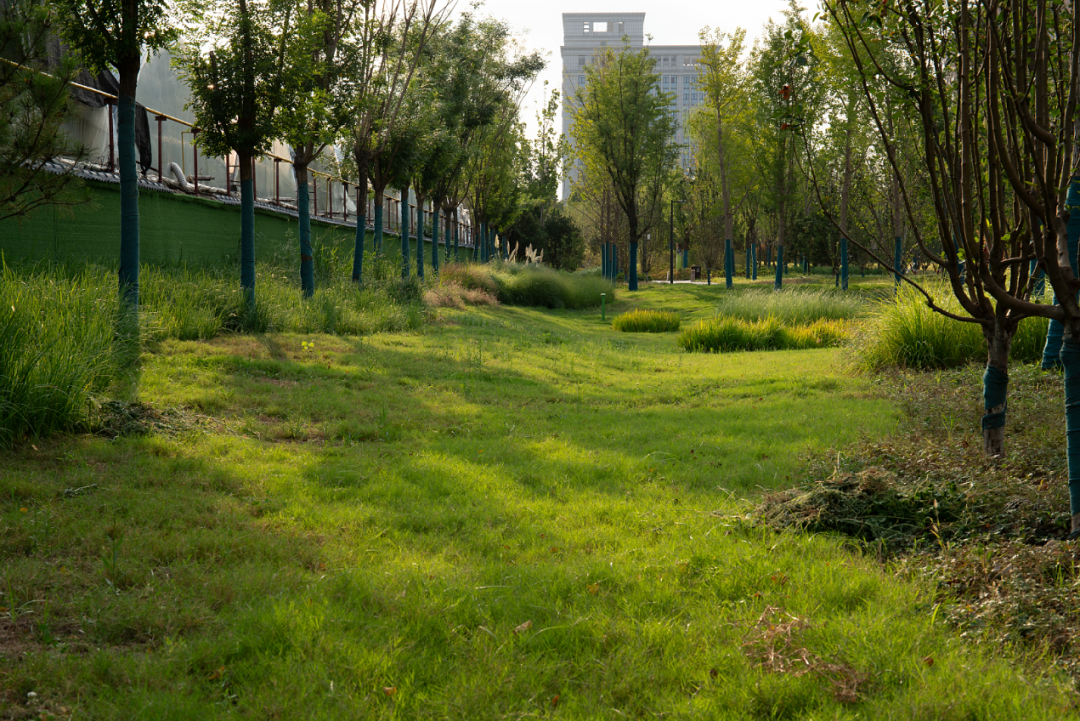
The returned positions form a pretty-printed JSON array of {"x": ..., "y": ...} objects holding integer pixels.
[{"x": 512, "y": 514}]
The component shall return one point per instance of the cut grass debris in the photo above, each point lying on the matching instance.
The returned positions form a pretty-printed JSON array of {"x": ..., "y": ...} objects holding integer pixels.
[
  {"x": 646, "y": 321},
  {"x": 986, "y": 532}
]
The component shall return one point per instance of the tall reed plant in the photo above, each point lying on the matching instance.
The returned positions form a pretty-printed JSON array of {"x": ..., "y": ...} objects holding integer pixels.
[
  {"x": 531, "y": 285},
  {"x": 904, "y": 332},
  {"x": 646, "y": 321},
  {"x": 792, "y": 306},
  {"x": 725, "y": 335},
  {"x": 57, "y": 348}
]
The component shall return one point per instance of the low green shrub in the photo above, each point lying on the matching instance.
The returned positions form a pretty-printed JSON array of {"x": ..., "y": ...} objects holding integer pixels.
[
  {"x": 904, "y": 332},
  {"x": 646, "y": 321},
  {"x": 724, "y": 335},
  {"x": 792, "y": 306}
]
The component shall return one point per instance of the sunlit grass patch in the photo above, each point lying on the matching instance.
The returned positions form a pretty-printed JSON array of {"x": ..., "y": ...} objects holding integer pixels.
[
  {"x": 725, "y": 335},
  {"x": 792, "y": 306},
  {"x": 904, "y": 332},
  {"x": 646, "y": 321}
]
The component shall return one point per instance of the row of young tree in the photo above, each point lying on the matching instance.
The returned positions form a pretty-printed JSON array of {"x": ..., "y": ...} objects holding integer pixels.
[
  {"x": 947, "y": 129},
  {"x": 412, "y": 100}
]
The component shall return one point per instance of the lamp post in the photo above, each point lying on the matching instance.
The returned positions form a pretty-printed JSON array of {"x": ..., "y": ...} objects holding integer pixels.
[{"x": 671, "y": 242}]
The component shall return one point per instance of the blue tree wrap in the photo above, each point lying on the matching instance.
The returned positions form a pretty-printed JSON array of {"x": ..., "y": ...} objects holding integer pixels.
[
  {"x": 435, "y": 238},
  {"x": 779, "y": 283},
  {"x": 307, "y": 262},
  {"x": 843, "y": 262},
  {"x": 420, "y": 240},
  {"x": 129, "y": 202},
  {"x": 358, "y": 248},
  {"x": 449, "y": 220},
  {"x": 995, "y": 391},
  {"x": 376, "y": 238},
  {"x": 1040, "y": 280},
  {"x": 729, "y": 264},
  {"x": 405, "y": 232},
  {"x": 603, "y": 260},
  {"x": 247, "y": 241},
  {"x": 1055, "y": 332},
  {"x": 753, "y": 259},
  {"x": 632, "y": 285},
  {"x": 1070, "y": 358},
  {"x": 898, "y": 259}
]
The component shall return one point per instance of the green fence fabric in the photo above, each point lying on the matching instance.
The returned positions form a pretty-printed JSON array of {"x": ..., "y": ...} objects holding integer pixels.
[{"x": 174, "y": 228}]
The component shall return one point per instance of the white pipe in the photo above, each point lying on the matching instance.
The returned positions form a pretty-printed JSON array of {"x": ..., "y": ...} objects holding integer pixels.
[{"x": 178, "y": 173}]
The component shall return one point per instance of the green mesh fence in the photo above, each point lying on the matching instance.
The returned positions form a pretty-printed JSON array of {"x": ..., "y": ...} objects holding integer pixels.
[{"x": 174, "y": 228}]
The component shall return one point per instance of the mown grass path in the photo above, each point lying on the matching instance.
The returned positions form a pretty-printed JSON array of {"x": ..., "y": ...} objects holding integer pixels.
[{"x": 514, "y": 514}]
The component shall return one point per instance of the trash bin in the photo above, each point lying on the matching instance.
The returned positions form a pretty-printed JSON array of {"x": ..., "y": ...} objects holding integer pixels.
[{"x": 695, "y": 272}]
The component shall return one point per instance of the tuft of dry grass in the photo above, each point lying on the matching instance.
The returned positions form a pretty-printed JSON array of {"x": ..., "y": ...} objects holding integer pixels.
[
  {"x": 775, "y": 644},
  {"x": 450, "y": 294}
]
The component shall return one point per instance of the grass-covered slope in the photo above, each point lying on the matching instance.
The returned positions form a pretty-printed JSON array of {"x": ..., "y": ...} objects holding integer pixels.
[{"x": 515, "y": 513}]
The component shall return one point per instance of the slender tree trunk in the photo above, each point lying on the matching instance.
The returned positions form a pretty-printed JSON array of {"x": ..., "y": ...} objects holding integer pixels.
[
  {"x": 247, "y": 228},
  {"x": 996, "y": 384},
  {"x": 845, "y": 199},
  {"x": 307, "y": 260},
  {"x": 129, "y": 185}
]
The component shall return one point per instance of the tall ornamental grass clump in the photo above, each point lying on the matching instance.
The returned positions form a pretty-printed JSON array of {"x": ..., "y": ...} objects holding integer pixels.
[
  {"x": 904, "y": 332},
  {"x": 792, "y": 306},
  {"x": 725, "y": 335},
  {"x": 56, "y": 347},
  {"x": 530, "y": 285},
  {"x": 646, "y": 321}
]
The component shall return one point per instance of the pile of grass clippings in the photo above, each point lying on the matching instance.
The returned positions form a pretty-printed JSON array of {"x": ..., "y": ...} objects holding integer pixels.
[
  {"x": 987, "y": 532},
  {"x": 122, "y": 418}
]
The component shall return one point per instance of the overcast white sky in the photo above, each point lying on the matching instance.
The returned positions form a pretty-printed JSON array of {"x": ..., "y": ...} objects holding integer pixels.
[{"x": 672, "y": 22}]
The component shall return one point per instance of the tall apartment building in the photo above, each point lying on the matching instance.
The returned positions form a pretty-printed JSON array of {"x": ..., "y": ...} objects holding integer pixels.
[{"x": 586, "y": 34}]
